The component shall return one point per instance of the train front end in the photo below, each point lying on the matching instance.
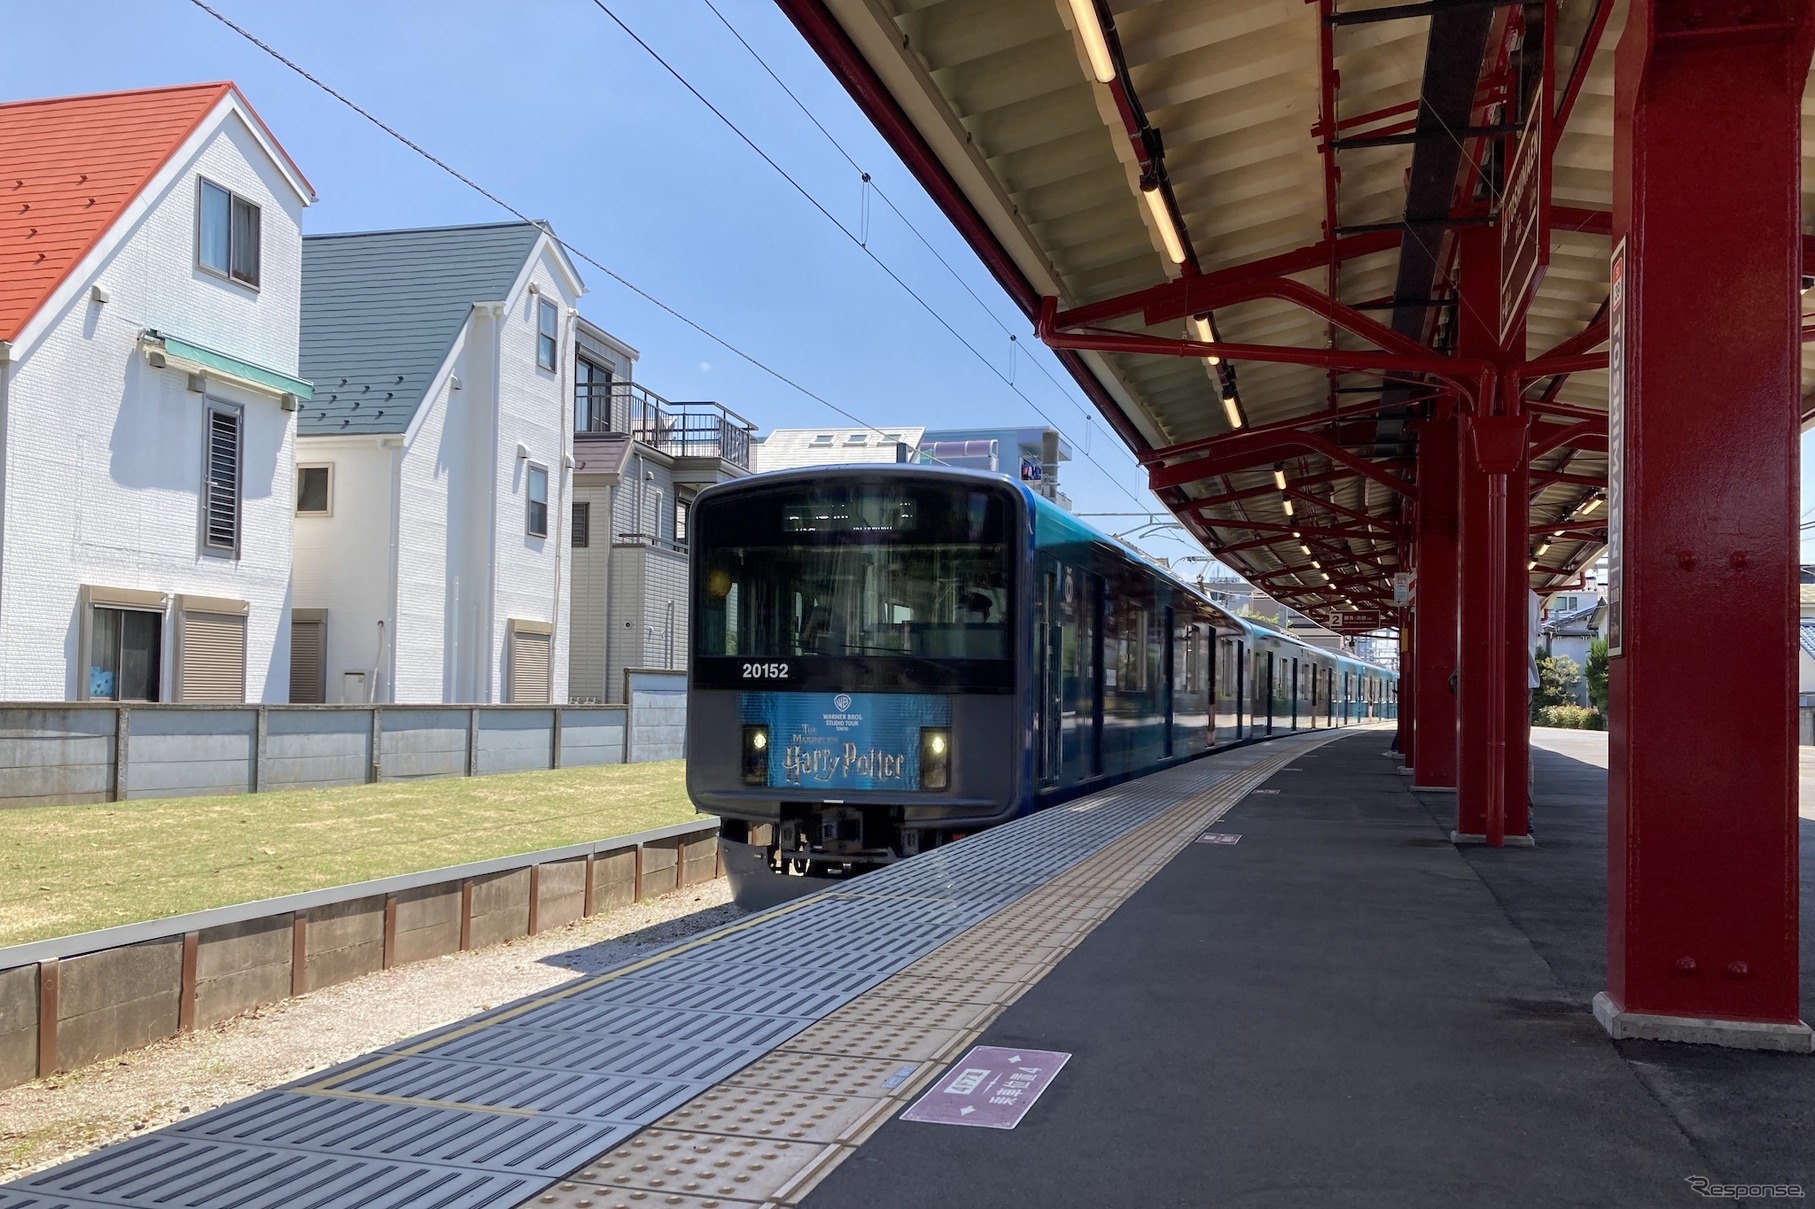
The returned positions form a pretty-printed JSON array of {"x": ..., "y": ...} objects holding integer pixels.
[{"x": 852, "y": 688}]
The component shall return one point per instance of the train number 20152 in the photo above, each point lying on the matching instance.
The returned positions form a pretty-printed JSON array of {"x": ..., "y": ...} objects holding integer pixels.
[{"x": 765, "y": 671}]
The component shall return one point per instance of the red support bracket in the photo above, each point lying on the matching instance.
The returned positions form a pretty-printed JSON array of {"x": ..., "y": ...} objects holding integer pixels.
[{"x": 1242, "y": 451}]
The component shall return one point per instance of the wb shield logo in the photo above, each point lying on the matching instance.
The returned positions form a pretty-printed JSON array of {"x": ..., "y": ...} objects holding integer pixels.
[{"x": 842, "y": 702}]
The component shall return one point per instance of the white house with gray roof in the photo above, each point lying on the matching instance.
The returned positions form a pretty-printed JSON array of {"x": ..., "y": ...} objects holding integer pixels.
[{"x": 432, "y": 555}]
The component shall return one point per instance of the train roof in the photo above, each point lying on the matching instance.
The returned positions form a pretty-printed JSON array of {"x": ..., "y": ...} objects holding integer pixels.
[{"x": 1040, "y": 506}]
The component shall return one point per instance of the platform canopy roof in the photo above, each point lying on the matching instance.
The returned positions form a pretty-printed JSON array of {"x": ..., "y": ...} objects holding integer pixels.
[{"x": 1297, "y": 152}]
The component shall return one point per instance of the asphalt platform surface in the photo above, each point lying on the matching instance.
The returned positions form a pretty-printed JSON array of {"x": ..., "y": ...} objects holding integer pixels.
[{"x": 1343, "y": 1009}]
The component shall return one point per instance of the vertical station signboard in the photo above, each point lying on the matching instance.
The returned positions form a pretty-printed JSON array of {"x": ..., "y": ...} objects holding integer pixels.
[
  {"x": 1616, "y": 446},
  {"x": 1525, "y": 202}
]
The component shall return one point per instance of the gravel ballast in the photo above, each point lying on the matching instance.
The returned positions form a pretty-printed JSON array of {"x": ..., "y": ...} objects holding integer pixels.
[{"x": 51, "y": 1120}]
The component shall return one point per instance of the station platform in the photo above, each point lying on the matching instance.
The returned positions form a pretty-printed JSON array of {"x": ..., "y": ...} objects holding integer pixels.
[{"x": 1339, "y": 1008}]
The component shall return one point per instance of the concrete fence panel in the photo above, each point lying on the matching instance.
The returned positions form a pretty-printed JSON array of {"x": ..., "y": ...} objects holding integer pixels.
[
  {"x": 594, "y": 735},
  {"x": 316, "y": 748},
  {"x": 186, "y": 752},
  {"x": 514, "y": 740},
  {"x": 423, "y": 741},
  {"x": 68, "y": 754},
  {"x": 50, "y": 756},
  {"x": 658, "y": 714}
]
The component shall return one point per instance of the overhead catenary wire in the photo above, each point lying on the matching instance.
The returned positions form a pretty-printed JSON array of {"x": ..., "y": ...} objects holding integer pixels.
[
  {"x": 498, "y": 201},
  {"x": 888, "y": 201},
  {"x": 861, "y": 245}
]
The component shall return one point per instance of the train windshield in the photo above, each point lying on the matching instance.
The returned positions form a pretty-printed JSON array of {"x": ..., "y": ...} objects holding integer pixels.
[{"x": 865, "y": 569}]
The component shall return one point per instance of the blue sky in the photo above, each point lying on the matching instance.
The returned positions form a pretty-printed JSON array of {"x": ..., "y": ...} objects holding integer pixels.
[{"x": 550, "y": 105}]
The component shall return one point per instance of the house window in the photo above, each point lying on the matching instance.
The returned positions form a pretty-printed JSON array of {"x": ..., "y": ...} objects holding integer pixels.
[
  {"x": 314, "y": 490},
  {"x": 537, "y": 522},
  {"x": 548, "y": 319},
  {"x": 681, "y": 508},
  {"x": 211, "y": 651},
  {"x": 1564, "y": 604},
  {"x": 530, "y": 662},
  {"x": 221, "y": 481},
  {"x": 591, "y": 397},
  {"x": 308, "y": 656},
  {"x": 582, "y": 524},
  {"x": 125, "y": 656},
  {"x": 823, "y": 439},
  {"x": 228, "y": 234}
]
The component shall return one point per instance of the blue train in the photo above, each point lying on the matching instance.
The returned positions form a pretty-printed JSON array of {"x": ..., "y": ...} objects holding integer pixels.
[{"x": 889, "y": 658}]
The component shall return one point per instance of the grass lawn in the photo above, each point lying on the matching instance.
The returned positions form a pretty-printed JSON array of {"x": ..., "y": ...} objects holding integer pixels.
[{"x": 66, "y": 869}]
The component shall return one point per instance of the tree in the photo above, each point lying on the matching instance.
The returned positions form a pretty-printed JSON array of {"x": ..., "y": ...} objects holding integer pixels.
[
  {"x": 1597, "y": 674},
  {"x": 1558, "y": 676}
]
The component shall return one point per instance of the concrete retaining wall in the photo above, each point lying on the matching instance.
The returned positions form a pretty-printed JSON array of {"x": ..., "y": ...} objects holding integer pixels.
[
  {"x": 82, "y": 999},
  {"x": 73, "y": 754}
]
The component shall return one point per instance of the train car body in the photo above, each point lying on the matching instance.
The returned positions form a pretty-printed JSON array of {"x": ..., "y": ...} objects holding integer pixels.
[{"x": 887, "y": 658}]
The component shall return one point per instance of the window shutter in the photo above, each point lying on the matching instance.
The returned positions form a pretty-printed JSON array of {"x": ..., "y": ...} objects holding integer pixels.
[
  {"x": 221, "y": 505},
  {"x": 529, "y": 667},
  {"x": 308, "y": 663},
  {"x": 213, "y": 653}
]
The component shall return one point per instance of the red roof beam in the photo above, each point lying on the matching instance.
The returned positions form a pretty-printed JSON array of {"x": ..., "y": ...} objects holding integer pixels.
[
  {"x": 1245, "y": 453},
  {"x": 1194, "y": 295},
  {"x": 1590, "y": 434}
]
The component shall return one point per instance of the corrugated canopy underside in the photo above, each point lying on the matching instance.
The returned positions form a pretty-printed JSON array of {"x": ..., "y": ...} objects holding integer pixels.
[{"x": 1234, "y": 87}]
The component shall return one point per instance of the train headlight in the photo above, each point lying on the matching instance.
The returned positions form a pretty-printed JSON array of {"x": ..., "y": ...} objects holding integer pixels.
[
  {"x": 935, "y": 757},
  {"x": 756, "y": 755}
]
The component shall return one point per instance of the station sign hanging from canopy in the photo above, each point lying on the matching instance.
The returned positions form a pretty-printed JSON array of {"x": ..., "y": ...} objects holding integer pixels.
[{"x": 1525, "y": 206}]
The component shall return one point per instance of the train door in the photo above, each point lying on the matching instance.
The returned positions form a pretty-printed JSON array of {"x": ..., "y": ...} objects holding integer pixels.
[
  {"x": 1329, "y": 696},
  {"x": 1294, "y": 694},
  {"x": 1092, "y": 642},
  {"x": 1168, "y": 669},
  {"x": 1238, "y": 674},
  {"x": 1268, "y": 686},
  {"x": 1311, "y": 709},
  {"x": 1048, "y": 705}
]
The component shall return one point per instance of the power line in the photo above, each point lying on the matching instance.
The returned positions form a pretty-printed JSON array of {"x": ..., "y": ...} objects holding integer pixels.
[
  {"x": 817, "y": 205},
  {"x": 482, "y": 191},
  {"x": 869, "y": 182}
]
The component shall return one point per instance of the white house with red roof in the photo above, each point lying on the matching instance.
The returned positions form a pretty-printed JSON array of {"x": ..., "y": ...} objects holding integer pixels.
[{"x": 150, "y": 297}]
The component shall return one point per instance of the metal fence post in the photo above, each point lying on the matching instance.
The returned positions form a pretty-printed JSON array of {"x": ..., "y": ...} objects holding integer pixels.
[{"x": 375, "y": 768}]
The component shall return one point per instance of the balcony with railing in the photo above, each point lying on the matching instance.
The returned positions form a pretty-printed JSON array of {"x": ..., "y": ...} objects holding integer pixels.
[{"x": 679, "y": 429}]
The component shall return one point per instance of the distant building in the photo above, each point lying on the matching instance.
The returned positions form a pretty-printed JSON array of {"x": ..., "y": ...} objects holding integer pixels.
[
  {"x": 639, "y": 460},
  {"x": 1030, "y": 455},
  {"x": 792, "y": 448},
  {"x": 1568, "y": 626},
  {"x": 432, "y": 485},
  {"x": 150, "y": 277}
]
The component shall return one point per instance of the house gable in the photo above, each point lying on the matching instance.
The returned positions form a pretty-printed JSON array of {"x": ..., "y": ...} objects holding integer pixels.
[
  {"x": 382, "y": 311},
  {"x": 78, "y": 165}
]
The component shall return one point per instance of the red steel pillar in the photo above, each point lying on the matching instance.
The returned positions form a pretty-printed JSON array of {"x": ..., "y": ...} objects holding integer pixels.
[
  {"x": 1703, "y": 432},
  {"x": 1434, "y": 609},
  {"x": 1403, "y": 727},
  {"x": 1491, "y": 798}
]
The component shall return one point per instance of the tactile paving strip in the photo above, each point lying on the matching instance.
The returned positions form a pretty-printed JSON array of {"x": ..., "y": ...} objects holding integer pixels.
[
  {"x": 702, "y": 1164},
  {"x": 880, "y": 1048},
  {"x": 477, "y": 1115},
  {"x": 756, "y": 1112}
]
